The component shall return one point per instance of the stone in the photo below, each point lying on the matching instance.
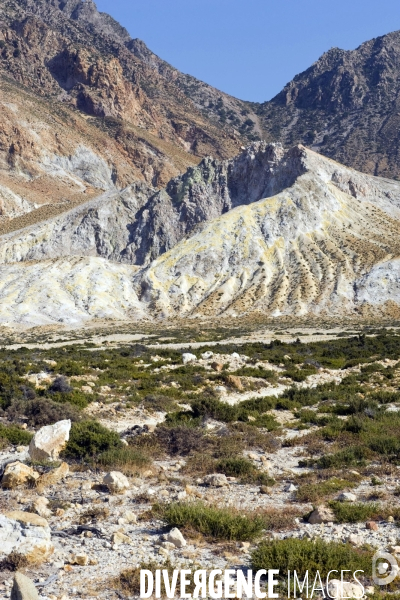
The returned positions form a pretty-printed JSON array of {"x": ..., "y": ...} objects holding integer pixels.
[
  {"x": 264, "y": 489},
  {"x": 216, "y": 480},
  {"x": 347, "y": 497},
  {"x": 322, "y": 514},
  {"x": 175, "y": 537},
  {"x": 17, "y": 474},
  {"x": 27, "y": 518},
  {"x": 290, "y": 488},
  {"x": 369, "y": 590},
  {"x": 395, "y": 549},
  {"x": 22, "y": 537},
  {"x": 340, "y": 590},
  {"x": 234, "y": 381},
  {"x": 81, "y": 559},
  {"x": 217, "y": 366},
  {"x": 86, "y": 389},
  {"x": 187, "y": 357},
  {"x": 207, "y": 355},
  {"x": 53, "y": 476},
  {"x": 130, "y": 517},
  {"x": 48, "y": 442},
  {"x": 120, "y": 538},
  {"x": 390, "y": 519},
  {"x": 116, "y": 482},
  {"x": 372, "y": 525},
  {"x": 355, "y": 540},
  {"x": 23, "y": 588},
  {"x": 39, "y": 506},
  {"x": 220, "y": 389}
]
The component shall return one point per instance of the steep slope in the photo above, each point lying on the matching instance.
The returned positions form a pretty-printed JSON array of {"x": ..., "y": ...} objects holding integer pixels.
[
  {"x": 325, "y": 240},
  {"x": 346, "y": 106}
]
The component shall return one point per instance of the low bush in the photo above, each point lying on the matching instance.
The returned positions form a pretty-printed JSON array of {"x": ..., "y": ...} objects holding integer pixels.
[
  {"x": 354, "y": 512},
  {"x": 42, "y": 411},
  {"x": 313, "y": 492},
  {"x": 89, "y": 439},
  {"x": 129, "y": 580},
  {"x": 125, "y": 459},
  {"x": 181, "y": 440},
  {"x": 219, "y": 523},
  {"x": 309, "y": 555},
  {"x": 15, "y": 435}
]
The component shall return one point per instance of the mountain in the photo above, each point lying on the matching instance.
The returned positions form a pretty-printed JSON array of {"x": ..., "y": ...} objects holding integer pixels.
[
  {"x": 292, "y": 233},
  {"x": 85, "y": 109},
  {"x": 345, "y": 106}
]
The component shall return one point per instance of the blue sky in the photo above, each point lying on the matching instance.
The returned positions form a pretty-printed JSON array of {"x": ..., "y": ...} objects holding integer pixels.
[{"x": 251, "y": 48}]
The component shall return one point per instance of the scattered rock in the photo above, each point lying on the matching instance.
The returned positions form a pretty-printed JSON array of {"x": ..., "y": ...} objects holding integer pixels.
[
  {"x": 216, "y": 366},
  {"x": 264, "y": 489},
  {"x": 130, "y": 517},
  {"x": 120, "y": 538},
  {"x": 373, "y": 525},
  {"x": 17, "y": 474},
  {"x": 23, "y": 588},
  {"x": 234, "y": 381},
  {"x": 27, "y": 518},
  {"x": 188, "y": 358},
  {"x": 116, "y": 482},
  {"x": 216, "y": 480},
  {"x": 86, "y": 389},
  {"x": 48, "y": 442},
  {"x": 175, "y": 537},
  {"x": 355, "y": 540},
  {"x": 39, "y": 507},
  {"x": 81, "y": 559},
  {"x": 390, "y": 519},
  {"x": 207, "y": 355},
  {"x": 290, "y": 488},
  {"x": 338, "y": 589},
  {"x": 53, "y": 476},
  {"x": 347, "y": 497},
  {"x": 322, "y": 514}
]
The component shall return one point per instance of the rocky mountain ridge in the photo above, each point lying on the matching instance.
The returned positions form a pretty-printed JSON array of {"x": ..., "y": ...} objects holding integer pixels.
[{"x": 273, "y": 231}]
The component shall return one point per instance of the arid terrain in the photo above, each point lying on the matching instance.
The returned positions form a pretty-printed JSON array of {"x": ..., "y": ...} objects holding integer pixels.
[{"x": 237, "y": 444}]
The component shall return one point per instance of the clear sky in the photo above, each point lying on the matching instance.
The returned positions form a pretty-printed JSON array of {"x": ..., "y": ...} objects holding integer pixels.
[{"x": 251, "y": 48}]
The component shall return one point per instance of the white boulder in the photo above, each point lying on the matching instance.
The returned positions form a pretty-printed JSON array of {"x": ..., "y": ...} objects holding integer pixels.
[
  {"x": 116, "y": 482},
  {"x": 338, "y": 589},
  {"x": 216, "y": 480},
  {"x": 207, "y": 355},
  {"x": 22, "y": 537},
  {"x": 48, "y": 442},
  {"x": 347, "y": 497},
  {"x": 175, "y": 537},
  {"x": 188, "y": 358}
]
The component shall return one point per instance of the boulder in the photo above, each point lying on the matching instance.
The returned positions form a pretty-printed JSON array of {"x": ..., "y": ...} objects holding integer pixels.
[
  {"x": 338, "y": 589},
  {"x": 40, "y": 507},
  {"x": 27, "y": 518},
  {"x": 53, "y": 476},
  {"x": 188, "y": 358},
  {"x": 216, "y": 480},
  {"x": 116, "y": 482},
  {"x": 23, "y": 588},
  {"x": 33, "y": 542},
  {"x": 234, "y": 381},
  {"x": 207, "y": 355},
  {"x": 322, "y": 514},
  {"x": 372, "y": 525},
  {"x": 48, "y": 442},
  {"x": 120, "y": 538},
  {"x": 17, "y": 474},
  {"x": 176, "y": 538},
  {"x": 347, "y": 497},
  {"x": 130, "y": 517},
  {"x": 217, "y": 366},
  {"x": 81, "y": 559}
]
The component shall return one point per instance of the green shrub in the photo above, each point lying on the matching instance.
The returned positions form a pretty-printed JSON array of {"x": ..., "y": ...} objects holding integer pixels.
[
  {"x": 219, "y": 523},
  {"x": 89, "y": 439},
  {"x": 353, "y": 512},
  {"x": 312, "y": 492},
  {"x": 309, "y": 555},
  {"x": 348, "y": 457},
  {"x": 15, "y": 435}
]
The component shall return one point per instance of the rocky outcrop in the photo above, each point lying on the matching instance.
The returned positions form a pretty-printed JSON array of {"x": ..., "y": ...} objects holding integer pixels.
[
  {"x": 26, "y": 537},
  {"x": 323, "y": 239},
  {"x": 23, "y": 588}
]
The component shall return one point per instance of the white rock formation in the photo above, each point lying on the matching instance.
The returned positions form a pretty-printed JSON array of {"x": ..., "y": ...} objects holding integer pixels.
[
  {"x": 48, "y": 442},
  {"x": 32, "y": 541},
  {"x": 323, "y": 239},
  {"x": 116, "y": 482}
]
